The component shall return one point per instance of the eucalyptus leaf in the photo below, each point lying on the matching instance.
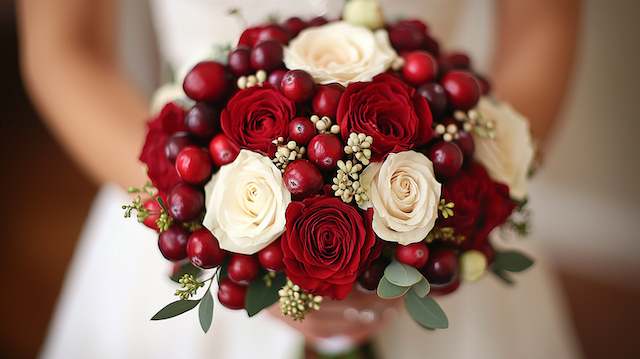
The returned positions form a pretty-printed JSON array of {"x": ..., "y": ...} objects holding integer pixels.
[
  {"x": 426, "y": 311},
  {"x": 388, "y": 290},
  {"x": 422, "y": 288},
  {"x": 402, "y": 274},
  {"x": 205, "y": 311},
  {"x": 174, "y": 309},
  {"x": 512, "y": 261},
  {"x": 260, "y": 296},
  {"x": 503, "y": 276}
]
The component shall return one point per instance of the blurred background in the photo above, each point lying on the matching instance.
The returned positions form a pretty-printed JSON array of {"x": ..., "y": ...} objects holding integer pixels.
[{"x": 586, "y": 207}]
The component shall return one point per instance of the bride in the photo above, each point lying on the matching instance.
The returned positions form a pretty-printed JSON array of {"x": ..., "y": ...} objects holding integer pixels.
[{"x": 116, "y": 283}]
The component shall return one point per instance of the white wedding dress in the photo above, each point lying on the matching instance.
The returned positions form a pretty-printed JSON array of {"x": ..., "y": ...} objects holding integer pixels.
[{"x": 117, "y": 279}]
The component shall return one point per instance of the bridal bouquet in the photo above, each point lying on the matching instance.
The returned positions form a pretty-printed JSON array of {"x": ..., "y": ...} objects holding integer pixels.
[{"x": 319, "y": 156}]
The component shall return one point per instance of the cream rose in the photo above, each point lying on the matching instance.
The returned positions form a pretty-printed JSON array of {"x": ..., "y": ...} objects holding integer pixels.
[
  {"x": 404, "y": 194},
  {"x": 245, "y": 203},
  {"x": 340, "y": 52},
  {"x": 509, "y": 155}
]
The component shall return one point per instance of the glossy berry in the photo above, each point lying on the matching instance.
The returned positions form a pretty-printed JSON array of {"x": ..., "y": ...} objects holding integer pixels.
[
  {"x": 239, "y": 61},
  {"x": 455, "y": 61},
  {"x": 271, "y": 257},
  {"x": 294, "y": 25},
  {"x": 431, "y": 46},
  {"x": 275, "y": 78},
  {"x": 406, "y": 38},
  {"x": 442, "y": 266},
  {"x": 485, "y": 85},
  {"x": 444, "y": 289},
  {"x": 185, "y": 202},
  {"x": 242, "y": 269},
  {"x": 325, "y": 151},
  {"x": 302, "y": 178},
  {"x": 153, "y": 209},
  {"x": 297, "y": 85},
  {"x": 175, "y": 144},
  {"x": 326, "y": 99},
  {"x": 370, "y": 278},
  {"x": 267, "y": 56},
  {"x": 202, "y": 120},
  {"x": 446, "y": 157},
  {"x": 414, "y": 254},
  {"x": 173, "y": 243},
  {"x": 466, "y": 144},
  {"x": 462, "y": 88},
  {"x": 223, "y": 150},
  {"x": 231, "y": 295},
  {"x": 435, "y": 96},
  {"x": 193, "y": 165},
  {"x": 318, "y": 21},
  {"x": 204, "y": 250},
  {"x": 207, "y": 81},
  {"x": 301, "y": 130},
  {"x": 419, "y": 68},
  {"x": 275, "y": 33}
]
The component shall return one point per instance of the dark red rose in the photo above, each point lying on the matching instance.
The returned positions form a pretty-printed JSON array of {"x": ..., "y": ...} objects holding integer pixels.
[
  {"x": 388, "y": 110},
  {"x": 161, "y": 171},
  {"x": 327, "y": 244},
  {"x": 256, "y": 116},
  {"x": 480, "y": 204}
]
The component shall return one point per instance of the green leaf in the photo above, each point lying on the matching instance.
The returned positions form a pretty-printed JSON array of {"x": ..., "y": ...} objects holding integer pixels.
[
  {"x": 422, "y": 288},
  {"x": 502, "y": 275},
  {"x": 260, "y": 296},
  {"x": 205, "y": 311},
  {"x": 176, "y": 308},
  {"x": 512, "y": 261},
  {"x": 186, "y": 268},
  {"x": 402, "y": 274},
  {"x": 425, "y": 311},
  {"x": 222, "y": 272},
  {"x": 388, "y": 290}
]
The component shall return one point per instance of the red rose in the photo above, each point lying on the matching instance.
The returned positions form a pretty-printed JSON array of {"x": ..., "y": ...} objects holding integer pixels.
[
  {"x": 256, "y": 116},
  {"x": 388, "y": 110},
  {"x": 480, "y": 205},
  {"x": 326, "y": 245},
  {"x": 161, "y": 171}
]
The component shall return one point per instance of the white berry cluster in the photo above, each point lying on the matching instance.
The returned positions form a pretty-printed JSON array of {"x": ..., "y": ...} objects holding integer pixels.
[
  {"x": 286, "y": 152},
  {"x": 295, "y": 303},
  {"x": 324, "y": 125},
  {"x": 346, "y": 183},
  {"x": 448, "y": 132},
  {"x": 252, "y": 80},
  {"x": 359, "y": 145},
  {"x": 474, "y": 121}
]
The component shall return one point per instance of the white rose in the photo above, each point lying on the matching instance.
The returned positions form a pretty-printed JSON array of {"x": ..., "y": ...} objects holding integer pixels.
[
  {"x": 340, "y": 52},
  {"x": 365, "y": 13},
  {"x": 509, "y": 155},
  {"x": 404, "y": 194},
  {"x": 245, "y": 203}
]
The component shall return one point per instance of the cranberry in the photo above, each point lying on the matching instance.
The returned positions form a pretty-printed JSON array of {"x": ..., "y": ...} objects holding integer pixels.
[
  {"x": 431, "y": 46},
  {"x": 455, "y": 61},
  {"x": 275, "y": 78},
  {"x": 463, "y": 90},
  {"x": 444, "y": 289},
  {"x": 446, "y": 157},
  {"x": 297, "y": 85},
  {"x": 242, "y": 268},
  {"x": 202, "y": 120},
  {"x": 271, "y": 257},
  {"x": 185, "y": 202},
  {"x": 207, "y": 81},
  {"x": 173, "y": 243},
  {"x": 325, "y": 151},
  {"x": 325, "y": 102},
  {"x": 231, "y": 294},
  {"x": 273, "y": 33},
  {"x": 153, "y": 212},
  {"x": 370, "y": 278},
  {"x": 318, "y": 21},
  {"x": 485, "y": 85},
  {"x": 193, "y": 165},
  {"x": 441, "y": 267},
  {"x": 204, "y": 250},
  {"x": 405, "y": 37},
  {"x": 301, "y": 130},
  {"x": 240, "y": 61},
  {"x": 435, "y": 96},
  {"x": 419, "y": 68},
  {"x": 414, "y": 254},
  {"x": 267, "y": 56},
  {"x": 466, "y": 144},
  {"x": 302, "y": 178},
  {"x": 175, "y": 144},
  {"x": 294, "y": 25},
  {"x": 223, "y": 150}
]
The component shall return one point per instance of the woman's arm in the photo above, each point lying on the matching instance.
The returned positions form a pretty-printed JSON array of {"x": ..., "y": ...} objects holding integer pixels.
[
  {"x": 70, "y": 66},
  {"x": 535, "y": 53}
]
